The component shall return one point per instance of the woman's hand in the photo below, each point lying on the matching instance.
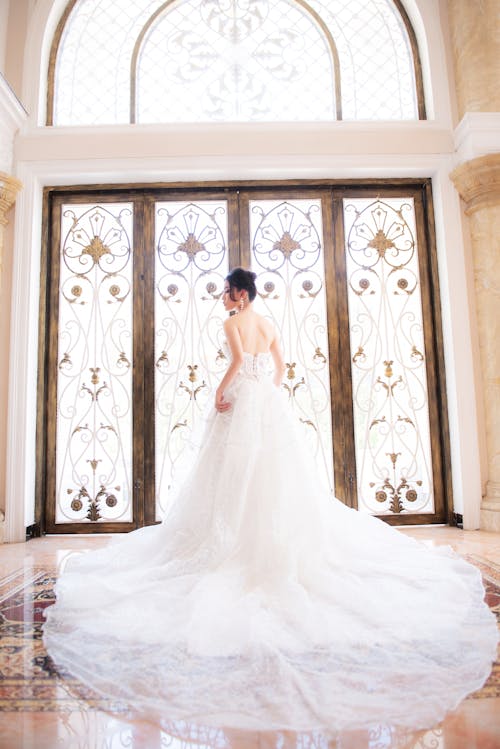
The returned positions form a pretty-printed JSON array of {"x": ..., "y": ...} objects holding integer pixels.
[{"x": 221, "y": 405}]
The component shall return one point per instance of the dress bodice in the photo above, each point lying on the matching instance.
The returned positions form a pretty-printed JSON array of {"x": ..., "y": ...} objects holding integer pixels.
[{"x": 254, "y": 366}]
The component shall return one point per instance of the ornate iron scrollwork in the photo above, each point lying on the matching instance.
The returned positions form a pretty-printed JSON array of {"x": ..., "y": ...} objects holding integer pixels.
[
  {"x": 287, "y": 253},
  {"x": 190, "y": 266},
  {"x": 393, "y": 455},
  {"x": 94, "y": 418}
]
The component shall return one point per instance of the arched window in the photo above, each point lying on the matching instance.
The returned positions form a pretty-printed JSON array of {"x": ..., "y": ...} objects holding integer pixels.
[{"x": 233, "y": 61}]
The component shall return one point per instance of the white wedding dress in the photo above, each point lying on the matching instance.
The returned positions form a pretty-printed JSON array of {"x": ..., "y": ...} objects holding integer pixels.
[{"x": 263, "y": 603}]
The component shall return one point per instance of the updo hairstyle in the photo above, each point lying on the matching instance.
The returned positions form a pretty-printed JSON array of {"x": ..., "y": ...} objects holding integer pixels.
[{"x": 242, "y": 280}]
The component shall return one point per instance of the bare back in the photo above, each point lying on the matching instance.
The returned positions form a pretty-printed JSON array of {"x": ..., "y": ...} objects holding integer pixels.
[
  {"x": 255, "y": 332},
  {"x": 250, "y": 333}
]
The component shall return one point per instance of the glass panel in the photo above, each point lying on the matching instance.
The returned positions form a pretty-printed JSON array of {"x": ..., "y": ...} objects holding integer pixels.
[
  {"x": 226, "y": 60},
  {"x": 376, "y": 60},
  {"x": 390, "y": 399},
  {"x": 287, "y": 254},
  {"x": 94, "y": 386},
  {"x": 92, "y": 81},
  {"x": 191, "y": 262},
  {"x": 230, "y": 61}
]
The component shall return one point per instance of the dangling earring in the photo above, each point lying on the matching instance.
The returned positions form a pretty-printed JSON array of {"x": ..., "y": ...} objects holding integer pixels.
[{"x": 242, "y": 304}]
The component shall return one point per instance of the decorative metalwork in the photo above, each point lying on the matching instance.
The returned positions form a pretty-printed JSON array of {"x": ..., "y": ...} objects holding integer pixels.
[
  {"x": 228, "y": 60},
  {"x": 191, "y": 262},
  {"x": 391, "y": 419},
  {"x": 94, "y": 414},
  {"x": 287, "y": 255}
]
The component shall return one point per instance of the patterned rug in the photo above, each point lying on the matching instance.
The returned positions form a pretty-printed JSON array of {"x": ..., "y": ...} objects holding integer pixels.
[{"x": 29, "y": 681}]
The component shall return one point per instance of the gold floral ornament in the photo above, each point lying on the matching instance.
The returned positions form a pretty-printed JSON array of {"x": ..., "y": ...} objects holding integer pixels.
[
  {"x": 287, "y": 244},
  {"x": 66, "y": 361},
  {"x": 96, "y": 249},
  {"x": 290, "y": 366},
  {"x": 269, "y": 287},
  {"x": 162, "y": 360},
  {"x": 396, "y": 494},
  {"x": 319, "y": 355},
  {"x": 211, "y": 288},
  {"x": 308, "y": 286},
  {"x": 193, "y": 377},
  {"x": 364, "y": 286},
  {"x": 191, "y": 246},
  {"x": 416, "y": 355},
  {"x": 123, "y": 360},
  {"x": 172, "y": 290},
  {"x": 360, "y": 354},
  {"x": 381, "y": 243}
]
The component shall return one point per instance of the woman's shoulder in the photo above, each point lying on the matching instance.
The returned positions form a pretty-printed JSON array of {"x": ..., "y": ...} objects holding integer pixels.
[
  {"x": 230, "y": 322},
  {"x": 265, "y": 323}
]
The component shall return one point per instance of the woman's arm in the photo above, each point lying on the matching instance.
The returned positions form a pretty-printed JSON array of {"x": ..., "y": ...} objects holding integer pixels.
[
  {"x": 234, "y": 342},
  {"x": 279, "y": 362}
]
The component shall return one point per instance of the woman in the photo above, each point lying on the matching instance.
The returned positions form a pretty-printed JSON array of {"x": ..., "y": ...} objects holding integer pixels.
[{"x": 262, "y": 602}]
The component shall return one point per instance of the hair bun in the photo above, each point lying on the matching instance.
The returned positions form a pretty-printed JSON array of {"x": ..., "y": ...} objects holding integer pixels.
[{"x": 243, "y": 279}]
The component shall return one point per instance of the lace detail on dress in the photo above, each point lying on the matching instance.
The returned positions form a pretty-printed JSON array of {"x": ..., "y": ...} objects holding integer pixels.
[{"x": 255, "y": 366}]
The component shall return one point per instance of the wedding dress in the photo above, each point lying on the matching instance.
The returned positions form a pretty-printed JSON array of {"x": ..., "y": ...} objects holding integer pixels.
[{"x": 263, "y": 603}]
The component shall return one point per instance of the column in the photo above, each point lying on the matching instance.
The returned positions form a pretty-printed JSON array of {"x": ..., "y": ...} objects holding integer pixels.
[
  {"x": 475, "y": 37},
  {"x": 478, "y": 183},
  {"x": 9, "y": 187}
]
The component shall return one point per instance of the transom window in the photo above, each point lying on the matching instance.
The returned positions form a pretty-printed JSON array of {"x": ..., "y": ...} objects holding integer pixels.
[{"x": 150, "y": 61}]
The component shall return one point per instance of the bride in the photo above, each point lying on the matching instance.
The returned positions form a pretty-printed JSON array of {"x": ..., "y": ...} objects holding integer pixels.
[{"x": 261, "y": 602}]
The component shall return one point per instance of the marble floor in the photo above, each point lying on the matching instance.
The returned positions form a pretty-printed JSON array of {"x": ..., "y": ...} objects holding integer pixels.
[{"x": 474, "y": 725}]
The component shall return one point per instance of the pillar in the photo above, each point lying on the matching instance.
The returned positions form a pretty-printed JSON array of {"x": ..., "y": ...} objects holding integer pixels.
[
  {"x": 475, "y": 39},
  {"x": 478, "y": 182},
  {"x": 9, "y": 187}
]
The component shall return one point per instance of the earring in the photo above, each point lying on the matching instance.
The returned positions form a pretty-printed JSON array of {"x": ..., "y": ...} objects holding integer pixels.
[{"x": 242, "y": 304}]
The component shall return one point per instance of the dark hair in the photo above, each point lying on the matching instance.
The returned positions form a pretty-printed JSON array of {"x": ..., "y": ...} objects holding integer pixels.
[{"x": 243, "y": 280}]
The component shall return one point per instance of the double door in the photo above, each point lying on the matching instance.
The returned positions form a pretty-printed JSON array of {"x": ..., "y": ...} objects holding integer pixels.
[{"x": 133, "y": 341}]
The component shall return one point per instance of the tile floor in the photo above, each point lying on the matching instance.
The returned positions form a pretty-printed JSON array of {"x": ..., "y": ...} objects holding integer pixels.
[{"x": 474, "y": 725}]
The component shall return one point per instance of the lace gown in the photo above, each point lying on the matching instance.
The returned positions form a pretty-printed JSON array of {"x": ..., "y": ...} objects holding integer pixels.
[{"x": 261, "y": 602}]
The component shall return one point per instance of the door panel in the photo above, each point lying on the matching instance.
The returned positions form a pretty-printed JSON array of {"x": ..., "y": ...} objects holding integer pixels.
[
  {"x": 287, "y": 253},
  {"x": 388, "y": 357},
  {"x": 191, "y": 262},
  {"x": 134, "y": 335},
  {"x": 91, "y": 359}
]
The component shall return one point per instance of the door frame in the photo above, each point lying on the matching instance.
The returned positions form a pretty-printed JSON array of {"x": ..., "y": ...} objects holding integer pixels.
[{"x": 332, "y": 193}]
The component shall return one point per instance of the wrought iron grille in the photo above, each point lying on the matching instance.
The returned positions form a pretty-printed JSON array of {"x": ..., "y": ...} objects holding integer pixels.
[
  {"x": 94, "y": 383},
  {"x": 138, "y": 350},
  {"x": 286, "y": 240},
  {"x": 191, "y": 262},
  {"x": 388, "y": 358}
]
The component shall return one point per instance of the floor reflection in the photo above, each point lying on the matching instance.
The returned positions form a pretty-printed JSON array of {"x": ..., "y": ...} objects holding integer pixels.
[
  {"x": 97, "y": 730},
  {"x": 38, "y": 711}
]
